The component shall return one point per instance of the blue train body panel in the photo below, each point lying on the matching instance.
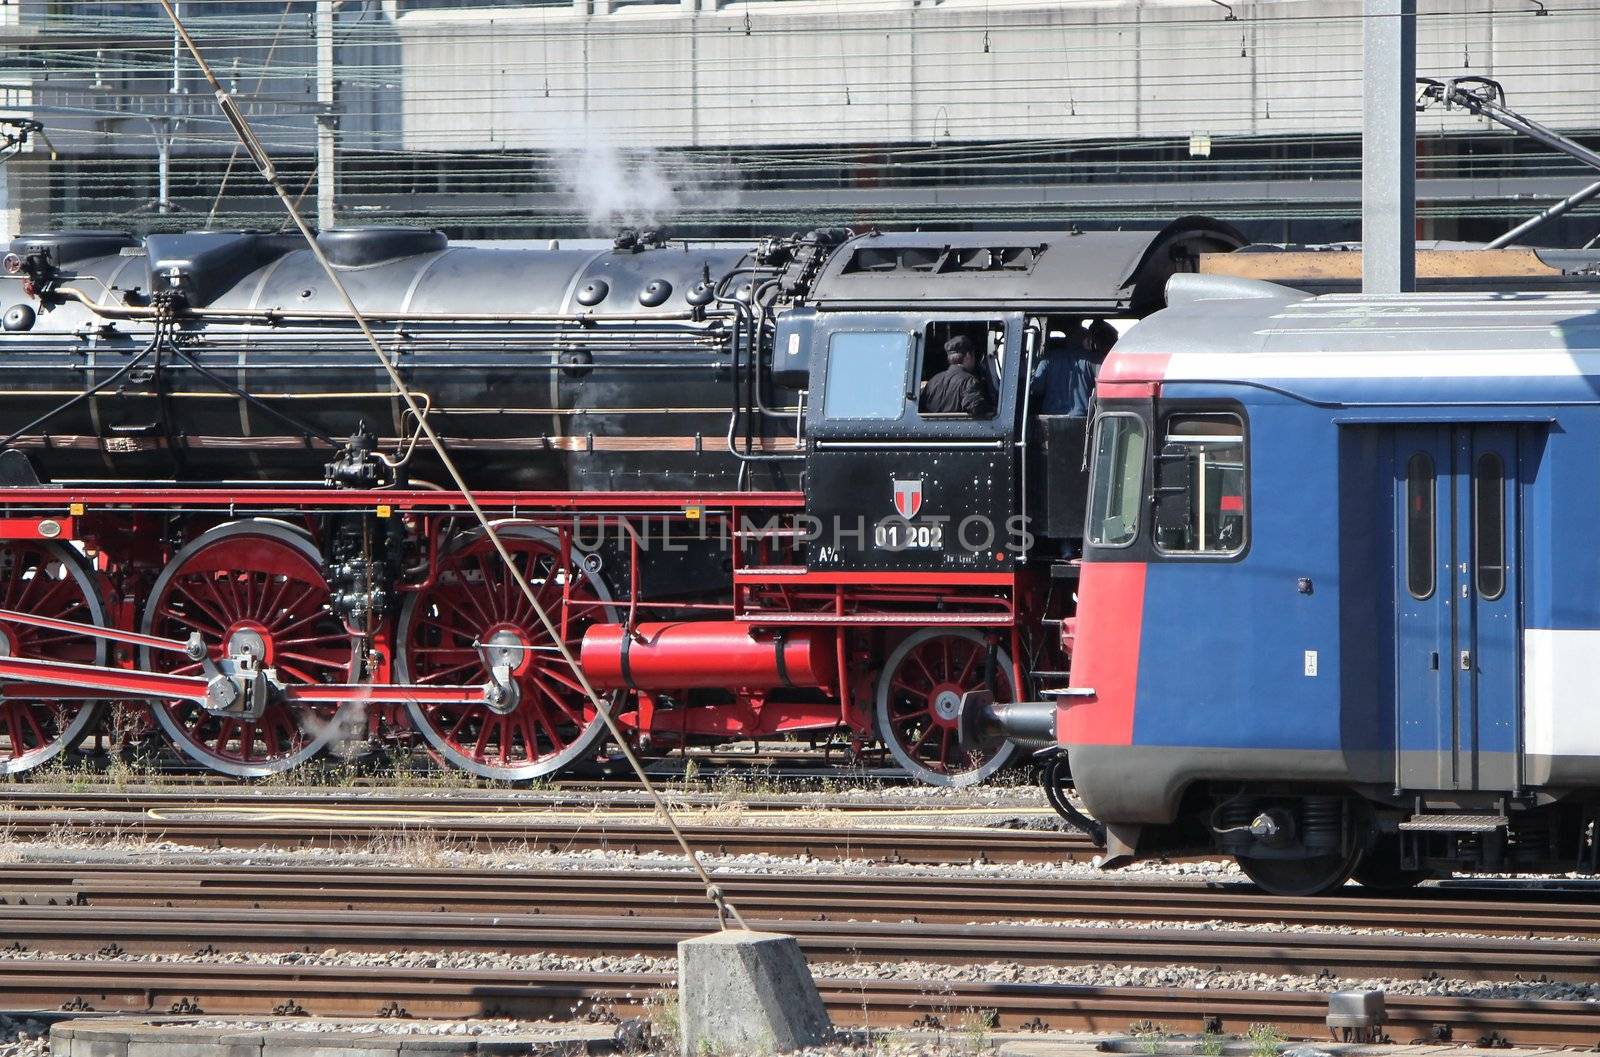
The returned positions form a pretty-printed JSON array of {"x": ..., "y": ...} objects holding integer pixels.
[{"x": 1403, "y": 588}]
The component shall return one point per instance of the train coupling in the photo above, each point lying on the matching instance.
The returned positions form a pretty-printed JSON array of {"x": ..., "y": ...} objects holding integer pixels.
[{"x": 985, "y": 724}]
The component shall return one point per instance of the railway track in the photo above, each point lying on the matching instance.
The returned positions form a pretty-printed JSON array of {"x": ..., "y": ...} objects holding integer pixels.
[
  {"x": 446, "y": 803},
  {"x": 1512, "y": 911},
  {"x": 358, "y": 825},
  {"x": 263, "y": 911},
  {"x": 187, "y": 930},
  {"x": 135, "y": 987}
]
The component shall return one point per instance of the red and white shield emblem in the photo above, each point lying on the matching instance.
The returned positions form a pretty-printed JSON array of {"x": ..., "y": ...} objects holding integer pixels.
[{"x": 908, "y": 498}]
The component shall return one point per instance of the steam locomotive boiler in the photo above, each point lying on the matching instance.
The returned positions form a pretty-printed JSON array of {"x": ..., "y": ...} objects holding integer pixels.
[{"x": 707, "y": 460}]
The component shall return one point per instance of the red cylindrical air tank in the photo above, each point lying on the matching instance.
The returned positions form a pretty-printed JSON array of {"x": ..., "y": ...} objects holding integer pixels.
[{"x": 706, "y": 654}]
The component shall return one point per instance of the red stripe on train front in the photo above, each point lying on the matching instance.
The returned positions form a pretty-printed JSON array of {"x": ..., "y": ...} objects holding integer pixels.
[
  {"x": 1105, "y": 655},
  {"x": 1123, "y": 366}
]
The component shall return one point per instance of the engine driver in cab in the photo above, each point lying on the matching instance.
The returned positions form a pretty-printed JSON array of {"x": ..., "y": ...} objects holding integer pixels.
[{"x": 958, "y": 389}]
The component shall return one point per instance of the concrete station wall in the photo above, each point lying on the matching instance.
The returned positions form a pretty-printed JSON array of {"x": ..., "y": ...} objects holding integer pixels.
[{"x": 699, "y": 73}]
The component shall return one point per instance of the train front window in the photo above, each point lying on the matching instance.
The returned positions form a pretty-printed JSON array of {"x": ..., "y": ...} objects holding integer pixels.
[
  {"x": 867, "y": 374},
  {"x": 1201, "y": 491},
  {"x": 1117, "y": 484}
]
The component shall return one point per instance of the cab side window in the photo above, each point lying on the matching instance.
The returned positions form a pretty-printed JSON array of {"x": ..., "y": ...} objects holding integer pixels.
[
  {"x": 867, "y": 374},
  {"x": 1201, "y": 489},
  {"x": 941, "y": 389}
]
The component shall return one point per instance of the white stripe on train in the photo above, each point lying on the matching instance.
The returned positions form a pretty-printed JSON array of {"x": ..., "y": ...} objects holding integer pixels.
[{"x": 1455, "y": 363}]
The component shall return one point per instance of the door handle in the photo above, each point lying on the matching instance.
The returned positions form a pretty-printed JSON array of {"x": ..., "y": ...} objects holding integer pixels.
[
  {"x": 1433, "y": 661},
  {"x": 1466, "y": 660}
]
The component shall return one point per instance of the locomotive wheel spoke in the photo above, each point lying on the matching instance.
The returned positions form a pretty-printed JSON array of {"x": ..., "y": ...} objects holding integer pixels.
[
  {"x": 474, "y": 616},
  {"x": 918, "y": 704},
  {"x": 49, "y": 580},
  {"x": 449, "y": 674},
  {"x": 255, "y": 584}
]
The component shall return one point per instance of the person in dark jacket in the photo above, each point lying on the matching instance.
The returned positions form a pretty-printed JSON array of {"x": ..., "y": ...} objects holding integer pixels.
[
  {"x": 1063, "y": 383},
  {"x": 957, "y": 389}
]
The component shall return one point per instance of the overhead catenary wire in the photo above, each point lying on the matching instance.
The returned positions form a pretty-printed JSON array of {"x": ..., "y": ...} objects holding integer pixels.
[
  {"x": 399, "y": 131},
  {"x": 453, "y": 85},
  {"x": 265, "y": 165}
]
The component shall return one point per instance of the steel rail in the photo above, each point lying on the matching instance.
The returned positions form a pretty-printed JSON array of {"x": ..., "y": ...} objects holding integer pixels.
[
  {"x": 125, "y": 986},
  {"x": 1520, "y": 911},
  {"x": 187, "y": 930},
  {"x": 288, "y": 829},
  {"x": 469, "y": 802}
]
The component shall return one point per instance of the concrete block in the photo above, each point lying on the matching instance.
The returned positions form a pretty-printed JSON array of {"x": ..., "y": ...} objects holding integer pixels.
[
  {"x": 90, "y": 1038},
  {"x": 157, "y": 1040},
  {"x": 565, "y": 1040},
  {"x": 86, "y": 1039},
  {"x": 328, "y": 1044},
  {"x": 438, "y": 1045},
  {"x": 316, "y": 1046},
  {"x": 98, "y": 1047},
  {"x": 745, "y": 992}
]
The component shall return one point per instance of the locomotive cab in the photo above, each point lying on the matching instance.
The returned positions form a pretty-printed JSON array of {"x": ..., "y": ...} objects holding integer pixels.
[
  {"x": 894, "y": 485},
  {"x": 899, "y": 484}
]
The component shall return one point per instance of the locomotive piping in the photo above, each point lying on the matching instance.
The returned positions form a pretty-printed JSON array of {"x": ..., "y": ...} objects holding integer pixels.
[
  {"x": 744, "y": 313},
  {"x": 253, "y": 401},
  {"x": 280, "y": 316},
  {"x": 139, "y": 357}
]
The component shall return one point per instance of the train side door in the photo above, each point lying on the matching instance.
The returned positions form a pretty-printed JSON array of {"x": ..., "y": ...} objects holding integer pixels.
[{"x": 1458, "y": 665}]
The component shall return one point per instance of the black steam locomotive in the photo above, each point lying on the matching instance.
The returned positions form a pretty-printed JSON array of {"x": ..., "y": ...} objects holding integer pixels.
[{"x": 710, "y": 460}]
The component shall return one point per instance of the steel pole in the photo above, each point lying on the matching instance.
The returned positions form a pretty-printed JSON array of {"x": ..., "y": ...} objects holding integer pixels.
[
  {"x": 327, "y": 123},
  {"x": 1389, "y": 147},
  {"x": 165, "y": 132},
  {"x": 163, "y": 170}
]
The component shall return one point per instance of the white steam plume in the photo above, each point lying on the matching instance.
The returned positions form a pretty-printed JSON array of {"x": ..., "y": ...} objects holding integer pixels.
[{"x": 618, "y": 187}]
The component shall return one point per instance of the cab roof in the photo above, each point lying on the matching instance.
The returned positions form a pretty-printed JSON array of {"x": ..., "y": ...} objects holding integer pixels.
[{"x": 1106, "y": 273}]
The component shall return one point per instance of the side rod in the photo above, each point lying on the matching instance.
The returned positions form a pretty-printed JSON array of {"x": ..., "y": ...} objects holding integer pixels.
[
  {"x": 193, "y": 648},
  {"x": 123, "y": 682}
]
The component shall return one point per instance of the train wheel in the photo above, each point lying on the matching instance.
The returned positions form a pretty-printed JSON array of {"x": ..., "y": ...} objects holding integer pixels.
[
  {"x": 1312, "y": 876},
  {"x": 475, "y": 616},
  {"x": 919, "y": 705},
  {"x": 257, "y": 583},
  {"x": 1380, "y": 870},
  {"x": 47, "y": 580}
]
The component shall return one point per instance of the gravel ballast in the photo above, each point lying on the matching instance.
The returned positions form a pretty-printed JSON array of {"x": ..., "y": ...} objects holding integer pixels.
[{"x": 932, "y": 973}]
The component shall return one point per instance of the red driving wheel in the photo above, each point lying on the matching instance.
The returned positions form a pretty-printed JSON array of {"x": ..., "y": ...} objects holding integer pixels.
[
  {"x": 46, "y": 580},
  {"x": 475, "y": 616},
  {"x": 919, "y": 704},
  {"x": 258, "y": 586}
]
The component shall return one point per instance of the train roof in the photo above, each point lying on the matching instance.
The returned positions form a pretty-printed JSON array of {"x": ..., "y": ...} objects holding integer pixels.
[{"x": 1226, "y": 329}]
